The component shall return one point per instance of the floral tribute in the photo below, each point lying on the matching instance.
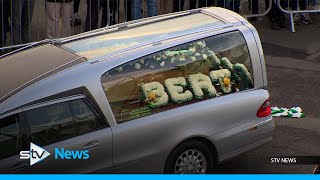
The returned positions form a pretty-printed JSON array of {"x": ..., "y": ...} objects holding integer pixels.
[{"x": 224, "y": 77}]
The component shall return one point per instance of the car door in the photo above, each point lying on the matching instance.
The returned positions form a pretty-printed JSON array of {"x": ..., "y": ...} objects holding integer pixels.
[
  {"x": 78, "y": 139},
  {"x": 11, "y": 142}
]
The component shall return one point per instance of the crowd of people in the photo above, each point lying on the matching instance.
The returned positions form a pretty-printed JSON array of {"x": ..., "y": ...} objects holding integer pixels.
[{"x": 16, "y": 15}]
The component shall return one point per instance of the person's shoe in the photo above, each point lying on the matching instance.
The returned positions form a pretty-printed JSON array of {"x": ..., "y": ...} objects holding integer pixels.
[
  {"x": 297, "y": 19},
  {"x": 305, "y": 18},
  {"x": 275, "y": 25},
  {"x": 283, "y": 22}
]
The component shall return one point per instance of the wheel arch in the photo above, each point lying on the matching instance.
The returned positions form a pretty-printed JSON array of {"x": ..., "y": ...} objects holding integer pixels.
[{"x": 202, "y": 139}]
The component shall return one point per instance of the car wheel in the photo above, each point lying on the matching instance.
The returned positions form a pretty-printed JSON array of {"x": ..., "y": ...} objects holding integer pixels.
[{"x": 191, "y": 157}]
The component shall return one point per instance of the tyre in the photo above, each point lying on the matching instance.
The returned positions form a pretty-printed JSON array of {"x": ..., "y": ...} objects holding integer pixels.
[{"x": 191, "y": 157}]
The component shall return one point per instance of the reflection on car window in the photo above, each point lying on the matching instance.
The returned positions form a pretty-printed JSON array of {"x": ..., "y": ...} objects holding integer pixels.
[
  {"x": 9, "y": 136},
  {"x": 111, "y": 42},
  {"x": 60, "y": 121},
  {"x": 178, "y": 76},
  {"x": 84, "y": 117}
]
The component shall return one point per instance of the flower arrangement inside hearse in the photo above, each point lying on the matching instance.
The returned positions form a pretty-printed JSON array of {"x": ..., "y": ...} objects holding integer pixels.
[{"x": 204, "y": 75}]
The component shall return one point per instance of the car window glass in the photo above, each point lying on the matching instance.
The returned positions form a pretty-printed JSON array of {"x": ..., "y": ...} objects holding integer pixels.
[
  {"x": 111, "y": 42},
  {"x": 84, "y": 117},
  {"x": 9, "y": 136},
  {"x": 56, "y": 122},
  {"x": 185, "y": 74},
  {"x": 50, "y": 123}
]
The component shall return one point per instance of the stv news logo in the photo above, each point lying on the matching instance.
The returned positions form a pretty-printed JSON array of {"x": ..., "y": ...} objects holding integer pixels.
[{"x": 37, "y": 154}]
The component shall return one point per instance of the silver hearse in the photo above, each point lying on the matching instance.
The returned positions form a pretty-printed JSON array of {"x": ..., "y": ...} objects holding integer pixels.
[{"x": 178, "y": 93}]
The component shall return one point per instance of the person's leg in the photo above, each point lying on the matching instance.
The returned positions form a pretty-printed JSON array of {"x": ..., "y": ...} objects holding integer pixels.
[
  {"x": 152, "y": 7},
  {"x": 75, "y": 17},
  {"x": 136, "y": 9},
  {"x": 4, "y": 21},
  {"x": 128, "y": 9},
  {"x": 113, "y": 11},
  {"x": 53, "y": 18},
  {"x": 92, "y": 17},
  {"x": 27, "y": 13},
  {"x": 235, "y": 6},
  {"x": 178, "y": 5},
  {"x": 76, "y": 6},
  {"x": 66, "y": 13},
  {"x": 16, "y": 22},
  {"x": 254, "y": 6}
]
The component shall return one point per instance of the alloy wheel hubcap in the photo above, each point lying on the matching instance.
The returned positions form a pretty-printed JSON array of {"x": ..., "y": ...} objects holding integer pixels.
[{"x": 191, "y": 161}]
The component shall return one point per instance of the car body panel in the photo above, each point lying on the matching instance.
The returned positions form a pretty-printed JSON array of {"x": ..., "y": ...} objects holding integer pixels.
[{"x": 143, "y": 145}]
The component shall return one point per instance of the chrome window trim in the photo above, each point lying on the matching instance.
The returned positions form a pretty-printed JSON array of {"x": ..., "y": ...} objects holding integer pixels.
[
  {"x": 17, "y": 111},
  {"x": 51, "y": 102}
]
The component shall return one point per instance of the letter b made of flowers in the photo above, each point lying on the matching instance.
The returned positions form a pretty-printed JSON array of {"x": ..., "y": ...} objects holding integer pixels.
[{"x": 155, "y": 94}]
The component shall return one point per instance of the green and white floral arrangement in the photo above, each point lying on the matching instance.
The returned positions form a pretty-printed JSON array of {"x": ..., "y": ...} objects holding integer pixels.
[
  {"x": 222, "y": 77},
  {"x": 199, "y": 82},
  {"x": 155, "y": 94},
  {"x": 242, "y": 71},
  {"x": 175, "y": 89}
]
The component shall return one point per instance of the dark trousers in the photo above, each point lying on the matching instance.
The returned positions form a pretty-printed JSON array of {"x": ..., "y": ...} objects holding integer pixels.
[
  {"x": 4, "y": 21},
  {"x": 178, "y": 4},
  {"x": 233, "y": 5},
  {"x": 128, "y": 9},
  {"x": 275, "y": 13},
  {"x": 22, "y": 11},
  {"x": 76, "y": 4},
  {"x": 294, "y": 4},
  {"x": 93, "y": 8},
  {"x": 254, "y": 6},
  {"x": 113, "y": 4}
]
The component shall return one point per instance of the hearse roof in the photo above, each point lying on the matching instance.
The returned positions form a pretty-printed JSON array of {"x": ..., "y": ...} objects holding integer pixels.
[{"x": 134, "y": 34}]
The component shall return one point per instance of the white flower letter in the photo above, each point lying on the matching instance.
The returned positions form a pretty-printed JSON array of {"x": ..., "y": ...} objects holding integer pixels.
[
  {"x": 219, "y": 76},
  {"x": 175, "y": 89},
  {"x": 199, "y": 82},
  {"x": 158, "y": 90}
]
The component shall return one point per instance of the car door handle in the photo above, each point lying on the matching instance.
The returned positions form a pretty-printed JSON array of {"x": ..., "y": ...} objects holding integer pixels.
[
  {"x": 91, "y": 145},
  {"x": 19, "y": 166}
]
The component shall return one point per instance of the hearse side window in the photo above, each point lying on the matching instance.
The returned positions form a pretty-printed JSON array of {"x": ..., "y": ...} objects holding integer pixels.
[
  {"x": 56, "y": 122},
  {"x": 9, "y": 136},
  {"x": 185, "y": 74}
]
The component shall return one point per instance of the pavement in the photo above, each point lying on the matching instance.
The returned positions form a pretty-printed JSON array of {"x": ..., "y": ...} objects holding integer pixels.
[{"x": 293, "y": 69}]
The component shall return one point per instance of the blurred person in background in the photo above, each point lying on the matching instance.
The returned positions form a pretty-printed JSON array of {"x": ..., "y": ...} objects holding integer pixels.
[
  {"x": 75, "y": 17},
  {"x": 254, "y": 8},
  {"x": 22, "y": 11},
  {"x": 300, "y": 17},
  {"x": 128, "y": 10},
  {"x": 4, "y": 21},
  {"x": 180, "y": 4},
  {"x": 276, "y": 16},
  {"x": 106, "y": 15},
  {"x": 136, "y": 8},
  {"x": 233, "y": 5},
  {"x": 93, "y": 8},
  {"x": 59, "y": 13}
]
